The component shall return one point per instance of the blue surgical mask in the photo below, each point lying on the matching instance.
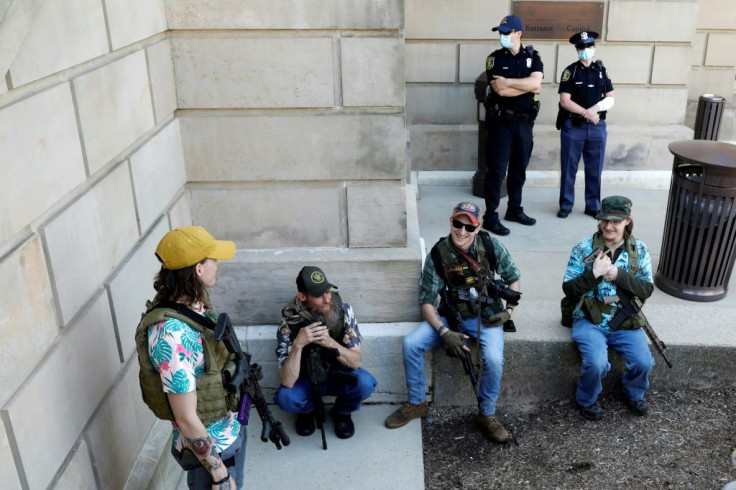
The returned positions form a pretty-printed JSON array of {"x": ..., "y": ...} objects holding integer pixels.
[
  {"x": 586, "y": 54},
  {"x": 506, "y": 41}
]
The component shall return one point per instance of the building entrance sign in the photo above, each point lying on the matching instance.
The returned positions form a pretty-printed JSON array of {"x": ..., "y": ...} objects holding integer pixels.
[{"x": 558, "y": 20}]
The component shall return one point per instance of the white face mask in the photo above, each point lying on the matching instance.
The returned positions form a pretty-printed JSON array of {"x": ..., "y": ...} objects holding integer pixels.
[
  {"x": 586, "y": 54},
  {"x": 506, "y": 41}
]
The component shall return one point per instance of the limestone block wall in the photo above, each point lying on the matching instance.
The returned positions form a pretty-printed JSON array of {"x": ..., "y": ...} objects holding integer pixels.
[
  {"x": 293, "y": 126},
  {"x": 94, "y": 174},
  {"x": 658, "y": 69},
  {"x": 714, "y": 62}
]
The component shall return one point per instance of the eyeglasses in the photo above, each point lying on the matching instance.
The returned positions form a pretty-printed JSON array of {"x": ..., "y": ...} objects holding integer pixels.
[
  {"x": 606, "y": 222},
  {"x": 456, "y": 223}
]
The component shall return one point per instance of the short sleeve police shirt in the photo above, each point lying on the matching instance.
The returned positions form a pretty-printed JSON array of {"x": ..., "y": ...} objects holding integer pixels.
[
  {"x": 587, "y": 85},
  {"x": 504, "y": 63}
]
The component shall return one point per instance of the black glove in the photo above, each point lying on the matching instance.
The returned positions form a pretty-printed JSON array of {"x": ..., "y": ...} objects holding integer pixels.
[
  {"x": 498, "y": 319},
  {"x": 453, "y": 344}
]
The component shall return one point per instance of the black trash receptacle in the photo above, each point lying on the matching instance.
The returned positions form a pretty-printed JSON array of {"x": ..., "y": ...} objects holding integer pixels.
[
  {"x": 708, "y": 117},
  {"x": 699, "y": 239},
  {"x": 479, "y": 178}
]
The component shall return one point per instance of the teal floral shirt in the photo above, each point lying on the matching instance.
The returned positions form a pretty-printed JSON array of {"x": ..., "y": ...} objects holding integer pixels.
[{"x": 176, "y": 352}]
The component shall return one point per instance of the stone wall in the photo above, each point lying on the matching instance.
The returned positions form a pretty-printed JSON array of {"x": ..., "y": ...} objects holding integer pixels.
[
  {"x": 294, "y": 138},
  {"x": 278, "y": 126},
  {"x": 281, "y": 127},
  {"x": 659, "y": 69},
  {"x": 94, "y": 174}
]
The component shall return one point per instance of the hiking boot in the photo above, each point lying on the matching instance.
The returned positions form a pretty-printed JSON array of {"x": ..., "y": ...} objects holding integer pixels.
[
  {"x": 639, "y": 407},
  {"x": 405, "y": 414},
  {"x": 492, "y": 427},
  {"x": 591, "y": 412},
  {"x": 305, "y": 423},
  {"x": 344, "y": 427}
]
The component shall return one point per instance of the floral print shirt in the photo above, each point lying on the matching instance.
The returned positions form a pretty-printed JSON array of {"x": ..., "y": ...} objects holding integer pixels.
[
  {"x": 350, "y": 335},
  {"x": 176, "y": 351}
]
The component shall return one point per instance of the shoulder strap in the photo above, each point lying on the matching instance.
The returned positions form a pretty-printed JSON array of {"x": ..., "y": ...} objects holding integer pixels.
[
  {"x": 184, "y": 311},
  {"x": 490, "y": 250},
  {"x": 439, "y": 266},
  {"x": 633, "y": 251},
  {"x": 629, "y": 245},
  {"x": 530, "y": 49}
]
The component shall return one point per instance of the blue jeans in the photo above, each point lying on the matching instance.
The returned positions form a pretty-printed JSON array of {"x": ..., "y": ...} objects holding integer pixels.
[
  {"x": 200, "y": 479},
  {"x": 298, "y": 399},
  {"x": 588, "y": 140},
  {"x": 593, "y": 343},
  {"x": 425, "y": 338}
]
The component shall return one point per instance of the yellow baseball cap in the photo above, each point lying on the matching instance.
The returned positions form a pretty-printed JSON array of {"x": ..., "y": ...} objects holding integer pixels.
[{"x": 189, "y": 245}]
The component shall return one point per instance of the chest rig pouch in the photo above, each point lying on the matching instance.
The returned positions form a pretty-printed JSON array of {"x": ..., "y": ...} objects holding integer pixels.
[{"x": 460, "y": 279}]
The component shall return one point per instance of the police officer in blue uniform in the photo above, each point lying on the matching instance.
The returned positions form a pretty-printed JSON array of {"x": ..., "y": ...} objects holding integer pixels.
[
  {"x": 514, "y": 75},
  {"x": 586, "y": 94}
]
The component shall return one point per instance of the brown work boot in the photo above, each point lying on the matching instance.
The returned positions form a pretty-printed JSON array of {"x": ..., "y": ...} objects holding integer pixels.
[
  {"x": 492, "y": 427},
  {"x": 406, "y": 413}
]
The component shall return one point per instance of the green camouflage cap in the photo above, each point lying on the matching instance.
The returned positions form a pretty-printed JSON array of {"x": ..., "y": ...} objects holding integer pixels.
[{"x": 614, "y": 208}]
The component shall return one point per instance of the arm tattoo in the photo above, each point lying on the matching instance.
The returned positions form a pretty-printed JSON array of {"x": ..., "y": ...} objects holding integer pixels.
[
  {"x": 206, "y": 452},
  {"x": 201, "y": 446}
]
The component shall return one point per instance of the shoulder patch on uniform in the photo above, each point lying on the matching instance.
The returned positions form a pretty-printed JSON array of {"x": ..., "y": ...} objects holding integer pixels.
[
  {"x": 566, "y": 75},
  {"x": 539, "y": 55},
  {"x": 489, "y": 62},
  {"x": 608, "y": 75}
]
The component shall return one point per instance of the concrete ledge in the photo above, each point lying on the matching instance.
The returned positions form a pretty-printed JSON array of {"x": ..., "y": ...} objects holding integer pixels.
[
  {"x": 256, "y": 284},
  {"x": 155, "y": 469},
  {"x": 629, "y": 179},
  {"x": 381, "y": 346},
  {"x": 541, "y": 361}
]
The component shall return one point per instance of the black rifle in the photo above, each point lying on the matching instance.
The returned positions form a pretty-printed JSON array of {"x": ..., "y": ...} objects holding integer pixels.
[
  {"x": 317, "y": 369},
  {"x": 454, "y": 323},
  {"x": 320, "y": 370},
  {"x": 630, "y": 307},
  {"x": 242, "y": 377}
]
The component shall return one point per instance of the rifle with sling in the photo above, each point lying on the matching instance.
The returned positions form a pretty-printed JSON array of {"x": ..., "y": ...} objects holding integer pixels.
[
  {"x": 317, "y": 369},
  {"x": 454, "y": 323},
  {"x": 242, "y": 377},
  {"x": 632, "y": 306},
  {"x": 320, "y": 370}
]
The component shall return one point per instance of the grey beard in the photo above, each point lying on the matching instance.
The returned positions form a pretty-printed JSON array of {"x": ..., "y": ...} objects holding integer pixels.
[{"x": 330, "y": 320}]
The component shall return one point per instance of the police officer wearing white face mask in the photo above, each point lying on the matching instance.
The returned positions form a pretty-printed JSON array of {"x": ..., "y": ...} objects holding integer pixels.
[
  {"x": 515, "y": 77},
  {"x": 586, "y": 94}
]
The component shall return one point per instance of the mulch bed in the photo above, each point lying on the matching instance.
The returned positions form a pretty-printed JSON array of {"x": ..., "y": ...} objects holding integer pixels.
[{"x": 686, "y": 441}]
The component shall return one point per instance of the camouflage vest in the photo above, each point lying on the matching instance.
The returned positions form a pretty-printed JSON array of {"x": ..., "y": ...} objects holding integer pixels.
[
  {"x": 568, "y": 305},
  {"x": 459, "y": 276},
  {"x": 213, "y": 401},
  {"x": 297, "y": 317}
]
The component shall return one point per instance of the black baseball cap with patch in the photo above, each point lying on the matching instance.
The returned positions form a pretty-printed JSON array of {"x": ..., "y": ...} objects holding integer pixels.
[{"x": 312, "y": 281}]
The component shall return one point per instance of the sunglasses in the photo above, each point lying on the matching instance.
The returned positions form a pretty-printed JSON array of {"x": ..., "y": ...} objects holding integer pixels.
[{"x": 456, "y": 223}]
